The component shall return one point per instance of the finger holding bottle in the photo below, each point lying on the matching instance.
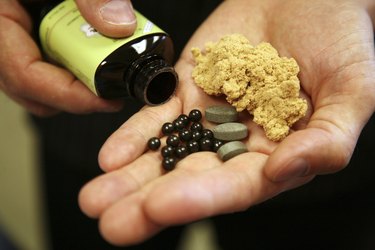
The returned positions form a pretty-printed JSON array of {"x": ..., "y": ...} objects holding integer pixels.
[
  {"x": 113, "y": 18},
  {"x": 40, "y": 87}
]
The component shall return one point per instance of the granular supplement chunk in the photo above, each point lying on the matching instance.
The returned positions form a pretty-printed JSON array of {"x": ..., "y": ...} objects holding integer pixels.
[{"x": 252, "y": 78}]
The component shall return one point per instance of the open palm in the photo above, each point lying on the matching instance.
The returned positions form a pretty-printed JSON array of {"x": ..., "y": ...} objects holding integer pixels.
[{"x": 333, "y": 43}]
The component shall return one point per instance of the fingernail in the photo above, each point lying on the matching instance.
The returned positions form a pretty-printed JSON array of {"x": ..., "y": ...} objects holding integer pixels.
[
  {"x": 296, "y": 168},
  {"x": 119, "y": 12}
]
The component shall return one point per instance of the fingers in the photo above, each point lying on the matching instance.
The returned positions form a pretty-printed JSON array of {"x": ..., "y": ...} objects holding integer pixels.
[
  {"x": 100, "y": 193},
  {"x": 61, "y": 90},
  {"x": 327, "y": 143},
  {"x": 129, "y": 229},
  {"x": 14, "y": 11},
  {"x": 190, "y": 192},
  {"x": 40, "y": 86},
  {"x": 130, "y": 140},
  {"x": 116, "y": 228},
  {"x": 230, "y": 187},
  {"x": 309, "y": 152},
  {"x": 34, "y": 107},
  {"x": 114, "y": 18}
]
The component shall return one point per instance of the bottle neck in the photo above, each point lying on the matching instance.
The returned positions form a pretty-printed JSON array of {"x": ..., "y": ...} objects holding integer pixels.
[{"x": 151, "y": 80}]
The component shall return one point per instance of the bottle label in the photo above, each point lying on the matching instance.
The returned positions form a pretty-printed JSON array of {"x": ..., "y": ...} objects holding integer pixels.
[{"x": 67, "y": 38}]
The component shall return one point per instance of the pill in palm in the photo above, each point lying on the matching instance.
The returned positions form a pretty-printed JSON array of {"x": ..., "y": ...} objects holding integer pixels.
[
  {"x": 230, "y": 131},
  {"x": 231, "y": 149},
  {"x": 186, "y": 135},
  {"x": 221, "y": 114}
]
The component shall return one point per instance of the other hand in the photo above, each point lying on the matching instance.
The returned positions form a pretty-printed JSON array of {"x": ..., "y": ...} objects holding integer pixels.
[{"x": 333, "y": 43}]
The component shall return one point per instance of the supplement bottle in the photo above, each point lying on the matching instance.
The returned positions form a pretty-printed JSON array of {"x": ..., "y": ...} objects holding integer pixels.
[{"x": 139, "y": 66}]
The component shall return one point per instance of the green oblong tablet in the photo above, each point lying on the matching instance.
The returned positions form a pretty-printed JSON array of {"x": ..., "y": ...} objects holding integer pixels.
[
  {"x": 231, "y": 149},
  {"x": 230, "y": 131},
  {"x": 221, "y": 114}
]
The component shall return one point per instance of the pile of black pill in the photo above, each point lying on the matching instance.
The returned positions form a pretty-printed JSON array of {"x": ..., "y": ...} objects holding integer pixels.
[{"x": 185, "y": 135}]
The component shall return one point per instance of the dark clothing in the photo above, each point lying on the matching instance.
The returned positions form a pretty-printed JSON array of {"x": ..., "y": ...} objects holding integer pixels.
[{"x": 332, "y": 212}]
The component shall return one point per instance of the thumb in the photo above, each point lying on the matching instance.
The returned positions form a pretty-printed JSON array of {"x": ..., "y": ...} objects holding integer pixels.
[
  {"x": 114, "y": 18},
  {"x": 325, "y": 146},
  {"x": 309, "y": 152}
]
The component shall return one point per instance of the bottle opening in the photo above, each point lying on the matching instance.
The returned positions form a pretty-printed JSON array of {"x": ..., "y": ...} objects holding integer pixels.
[
  {"x": 155, "y": 80},
  {"x": 161, "y": 87}
]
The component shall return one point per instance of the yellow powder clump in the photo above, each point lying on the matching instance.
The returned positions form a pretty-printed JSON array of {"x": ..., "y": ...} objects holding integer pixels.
[{"x": 252, "y": 78}]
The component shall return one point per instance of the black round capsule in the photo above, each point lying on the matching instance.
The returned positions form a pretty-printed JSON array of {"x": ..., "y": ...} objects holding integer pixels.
[
  {"x": 205, "y": 144},
  {"x": 216, "y": 145},
  {"x": 178, "y": 124},
  {"x": 196, "y": 126},
  {"x": 153, "y": 143},
  {"x": 184, "y": 118},
  {"x": 169, "y": 163},
  {"x": 192, "y": 146},
  {"x": 196, "y": 135},
  {"x": 181, "y": 151},
  {"x": 207, "y": 133},
  {"x": 167, "y": 128},
  {"x": 173, "y": 140},
  {"x": 195, "y": 115},
  {"x": 167, "y": 151},
  {"x": 185, "y": 135}
]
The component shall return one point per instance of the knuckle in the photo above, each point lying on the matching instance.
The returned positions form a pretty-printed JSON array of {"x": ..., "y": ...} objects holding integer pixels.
[
  {"x": 342, "y": 156},
  {"x": 13, "y": 87},
  {"x": 154, "y": 116}
]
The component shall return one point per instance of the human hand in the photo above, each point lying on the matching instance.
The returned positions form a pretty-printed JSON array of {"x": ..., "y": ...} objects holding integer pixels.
[
  {"x": 333, "y": 43},
  {"x": 43, "y": 88}
]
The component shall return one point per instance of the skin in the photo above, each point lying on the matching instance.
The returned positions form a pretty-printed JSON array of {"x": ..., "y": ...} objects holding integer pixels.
[
  {"x": 40, "y": 87},
  {"x": 333, "y": 43},
  {"x": 331, "y": 40}
]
